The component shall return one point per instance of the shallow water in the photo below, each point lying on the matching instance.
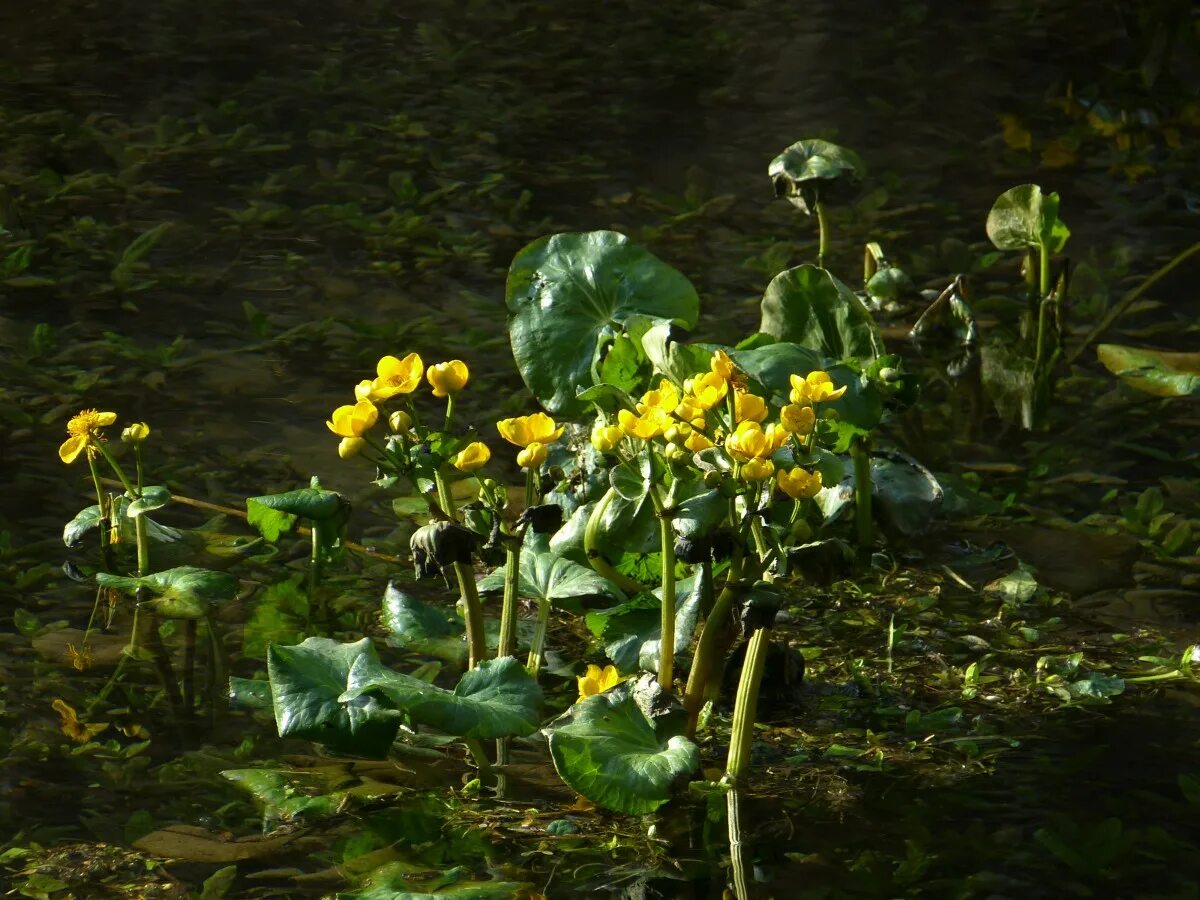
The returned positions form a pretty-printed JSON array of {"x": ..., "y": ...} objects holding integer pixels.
[{"x": 299, "y": 151}]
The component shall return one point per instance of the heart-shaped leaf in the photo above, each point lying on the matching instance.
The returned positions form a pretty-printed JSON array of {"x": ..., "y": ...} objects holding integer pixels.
[
  {"x": 307, "y": 683},
  {"x": 907, "y": 495},
  {"x": 606, "y": 749},
  {"x": 1024, "y": 217},
  {"x": 423, "y": 627},
  {"x": 567, "y": 294},
  {"x": 275, "y": 515},
  {"x": 155, "y": 496},
  {"x": 809, "y": 306},
  {"x": 773, "y": 364},
  {"x": 639, "y": 650},
  {"x": 85, "y": 520},
  {"x": 545, "y": 575},
  {"x": 496, "y": 699},
  {"x": 185, "y": 592}
]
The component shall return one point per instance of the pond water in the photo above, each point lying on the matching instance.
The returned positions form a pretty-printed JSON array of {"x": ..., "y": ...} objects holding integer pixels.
[{"x": 322, "y": 184}]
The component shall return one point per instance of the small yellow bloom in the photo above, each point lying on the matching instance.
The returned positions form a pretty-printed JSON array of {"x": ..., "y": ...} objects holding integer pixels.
[
  {"x": 664, "y": 397},
  {"x": 800, "y": 484},
  {"x": 722, "y": 365},
  {"x": 135, "y": 433},
  {"x": 816, "y": 387},
  {"x": 353, "y": 421},
  {"x": 400, "y": 422},
  {"x": 525, "y": 430},
  {"x": 81, "y": 657},
  {"x": 605, "y": 438},
  {"x": 597, "y": 681},
  {"x": 749, "y": 407},
  {"x": 475, "y": 455},
  {"x": 708, "y": 390},
  {"x": 758, "y": 469},
  {"x": 365, "y": 390},
  {"x": 649, "y": 425},
  {"x": 84, "y": 430},
  {"x": 696, "y": 441},
  {"x": 689, "y": 411},
  {"x": 533, "y": 456},
  {"x": 350, "y": 446},
  {"x": 749, "y": 441},
  {"x": 448, "y": 377},
  {"x": 395, "y": 376},
  {"x": 797, "y": 418}
]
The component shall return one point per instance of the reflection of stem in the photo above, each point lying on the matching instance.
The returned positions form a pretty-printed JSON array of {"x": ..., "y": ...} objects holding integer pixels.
[
  {"x": 594, "y": 557},
  {"x": 472, "y": 612},
  {"x": 534, "y": 662},
  {"x": 479, "y": 755},
  {"x": 162, "y": 662},
  {"x": 823, "y": 228},
  {"x": 130, "y": 650},
  {"x": 738, "y": 852},
  {"x": 745, "y": 708},
  {"x": 217, "y": 683},
  {"x": 863, "y": 524}
]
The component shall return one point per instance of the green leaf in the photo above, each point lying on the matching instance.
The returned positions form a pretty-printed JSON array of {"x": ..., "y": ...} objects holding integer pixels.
[
  {"x": 639, "y": 650},
  {"x": 623, "y": 365},
  {"x": 809, "y": 166},
  {"x": 85, "y": 520},
  {"x": 275, "y": 515},
  {"x": 773, "y": 364},
  {"x": 608, "y": 397},
  {"x": 422, "y": 627},
  {"x": 405, "y": 881},
  {"x": 141, "y": 245},
  {"x": 497, "y": 698},
  {"x": 322, "y": 790},
  {"x": 809, "y": 306},
  {"x": 280, "y": 616},
  {"x": 1024, "y": 217},
  {"x": 673, "y": 358},
  {"x": 567, "y": 294},
  {"x": 606, "y": 749},
  {"x": 545, "y": 575},
  {"x": 1154, "y": 372},
  {"x": 217, "y": 885},
  {"x": 155, "y": 496},
  {"x": 907, "y": 495},
  {"x": 307, "y": 683},
  {"x": 1096, "y": 686},
  {"x": 185, "y": 592},
  {"x": 250, "y": 693}
]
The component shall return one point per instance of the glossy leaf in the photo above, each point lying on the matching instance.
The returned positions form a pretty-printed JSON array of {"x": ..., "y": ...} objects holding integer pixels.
[
  {"x": 497, "y": 698},
  {"x": 773, "y": 364},
  {"x": 1154, "y": 372},
  {"x": 275, "y": 515},
  {"x": 606, "y": 749},
  {"x": 907, "y": 495},
  {"x": 809, "y": 306},
  {"x": 185, "y": 592},
  {"x": 423, "y": 627},
  {"x": 639, "y": 650},
  {"x": 85, "y": 520},
  {"x": 567, "y": 294},
  {"x": 545, "y": 575},
  {"x": 154, "y": 496},
  {"x": 307, "y": 683},
  {"x": 808, "y": 166},
  {"x": 1024, "y": 217}
]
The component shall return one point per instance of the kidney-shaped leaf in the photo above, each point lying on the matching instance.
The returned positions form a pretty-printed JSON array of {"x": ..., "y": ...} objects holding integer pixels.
[
  {"x": 307, "y": 682},
  {"x": 1154, "y": 372},
  {"x": 85, "y": 520},
  {"x": 154, "y": 496},
  {"x": 799, "y": 170},
  {"x": 496, "y": 699},
  {"x": 568, "y": 293},
  {"x": 185, "y": 592},
  {"x": 275, "y": 515},
  {"x": 1024, "y": 217},
  {"x": 811, "y": 307},
  {"x": 606, "y": 749}
]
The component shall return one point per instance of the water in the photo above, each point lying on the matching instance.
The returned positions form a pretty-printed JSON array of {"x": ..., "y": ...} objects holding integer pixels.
[{"x": 346, "y": 180}]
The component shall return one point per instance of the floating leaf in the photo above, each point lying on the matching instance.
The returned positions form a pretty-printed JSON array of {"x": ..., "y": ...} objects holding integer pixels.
[
  {"x": 185, "y": 592},
  {"x": 606, "y": 749},
  {"x": 809, "y": 306},
  {"x": 1154, "y": 372},
  {"x": 568, "y": 295}
]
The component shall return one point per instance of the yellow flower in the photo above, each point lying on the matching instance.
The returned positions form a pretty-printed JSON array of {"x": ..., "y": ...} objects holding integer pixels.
[
  {"x": 696, "y": 442},
  {"x": 532, "y": 456},
  {"x": 400, "y": 422},
  {"x": 722, "y": 365},
  {"x": 597, "y": 681},
  {"x": 664, "y": 397},
  {"x": 800, "y": 484},
  {"x": 525, "y": 430},
  {"x": 365, "y": 390},
  {"x": 395, "y": 376},
  {"x": 749, "y": 441},
  {"x": 816, "y": 387},
  {"x": 135, "y": 433},
  {"x": 749, "y": 407},
  {"x": 353, "y": 421},
  {"x": 448, "y": 377},
  {"x": 473, "y": 456},
  {"x": 649, "y": 425},
  {"x": 689, "y": 411},
  {"x": 758, "y": 469},
  {"x": 350, "y": 446},
  {"x": 606, "y": 437},
  {"x": 708, "y": 390},
  {"x": 797, "y": 418},
  {"x": 84, "y": 430}
]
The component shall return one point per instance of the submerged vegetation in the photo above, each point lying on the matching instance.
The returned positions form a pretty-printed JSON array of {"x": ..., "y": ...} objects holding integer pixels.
[{"x": 878, "y": 584}]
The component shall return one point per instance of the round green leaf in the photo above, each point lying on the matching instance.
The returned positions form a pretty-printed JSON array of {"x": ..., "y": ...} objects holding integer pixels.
[
  {"x": 156, "y": 496},
  {"x": 606, "y": 749},
  {"x": 772, "y": 366},
  {"x": 545, "y": 575},
  {"x": 568, "y": 293},
  {"x": 185, "y": 592},
  {"x": 1024, "y": 217},
  {"x": 422, "y": 627},
  {"x": 809, "y": 306}
]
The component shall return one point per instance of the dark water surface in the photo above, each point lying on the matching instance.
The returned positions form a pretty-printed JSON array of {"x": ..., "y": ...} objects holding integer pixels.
[{"x": 345, "y": 180}]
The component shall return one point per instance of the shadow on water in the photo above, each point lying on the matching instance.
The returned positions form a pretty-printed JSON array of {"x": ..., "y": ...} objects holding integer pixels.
[{"x": 346, "y": 179}]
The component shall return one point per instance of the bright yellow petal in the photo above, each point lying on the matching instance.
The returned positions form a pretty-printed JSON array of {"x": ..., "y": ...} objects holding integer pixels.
[{"x": 71, "y": 448}]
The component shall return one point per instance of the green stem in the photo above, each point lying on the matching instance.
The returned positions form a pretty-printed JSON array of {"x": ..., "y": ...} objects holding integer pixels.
[
  {"x": 1043, "y": 271},
  {"x": 217, "y": 681},
  {"x": 189, "y": 666},
  {"x": 595, "y": 558},
  {"x": 666, "y": 650},
  {"x": 745, "y": 708},
  {"x": 480, "y": 757},
  {"x": 117, "y": 470},
  {"x": 314, "y": 570},
  {"x": 105, "y": 535},
  {"x": 863, "y": 523},
  {"x": 126, "y": 655},
  {"x": 507, "y": 645},
  {"x": 472, "y": 612},
  {"x": 143, "y": 546},
  {"x": 823, "y": 228},
  {"x": 449, "y": 412},
  {"x": 444, "y": 498},
  {"x": 709, "y": 648},
  {"x": 534, "y": 663}
]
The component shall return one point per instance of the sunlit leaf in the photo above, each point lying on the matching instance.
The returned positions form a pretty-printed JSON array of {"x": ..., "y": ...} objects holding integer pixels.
[
  {"x": 185, "y": 592},
  {"x": 810, "y": 307},
  {"x": 1156, "y": 372}
]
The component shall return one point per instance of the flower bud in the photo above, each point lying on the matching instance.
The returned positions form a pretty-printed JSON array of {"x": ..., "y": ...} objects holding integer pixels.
[
  {"x": 400, "y": 422},
  {"x": 135, "y": 433},
  {"x": 605, "y": 438},
  {"x": 533, "y": 456},
  {"x": 351, "y": 446}
]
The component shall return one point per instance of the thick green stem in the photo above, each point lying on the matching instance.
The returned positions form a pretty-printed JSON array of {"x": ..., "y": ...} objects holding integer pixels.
[
  {"x": 507, "y": 645},
  {"x": 595, "y": 558},
  {"x": 710, "y": 646},
  {"x": 864, "y": 524},
  {"x": 534, "y": 663},
  {"x": 105, "y": 535},
  {"x": 444, "y": 498},
  {"x": 314, "y": 571},
  {"x": 143, "y": 546},
  {"x": 449, "y": 412},
  {"x": 472, "y": 612},
  {"x": 745, "y": 708},
  {"x": 480, "y": 757},
  {"x": 823, "y": 228},
  {"x": 218, "y": 684},
  {"x": 1043, "y": 271},
  {"x": 666, "y": 651}
]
